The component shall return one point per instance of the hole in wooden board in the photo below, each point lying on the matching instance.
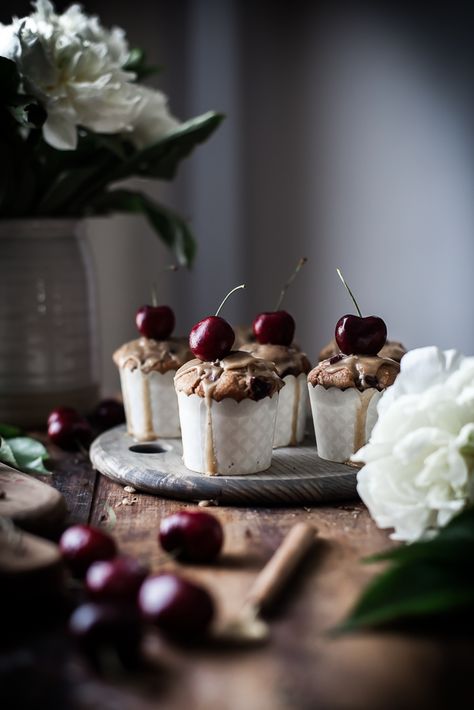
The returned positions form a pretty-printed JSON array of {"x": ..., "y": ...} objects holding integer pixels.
[{"x": 148, "y": 449}]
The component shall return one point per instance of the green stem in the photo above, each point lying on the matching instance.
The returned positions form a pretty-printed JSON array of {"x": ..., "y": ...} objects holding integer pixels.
[{"x": 349, "y": 292}]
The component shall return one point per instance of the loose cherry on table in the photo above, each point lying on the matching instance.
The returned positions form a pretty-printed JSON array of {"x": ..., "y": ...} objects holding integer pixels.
[
  {"x": 356, "y": 335},
  {"x": 181, "y": 609},
  {"x": 118, "y": 579},
  {"x": 81, "y": 545},
  {"x": 191, "y": 536},
  {"x": 155, "y": 322},
  {"x": 107, "y": 414},
  {"x": 104, "y": 627},
  {"x": 212, "y": 338},
  {"x": 68, "y": 430}
]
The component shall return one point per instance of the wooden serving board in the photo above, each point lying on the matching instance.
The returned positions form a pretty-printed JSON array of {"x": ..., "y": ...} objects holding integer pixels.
[{"x": 297, "y": 474}]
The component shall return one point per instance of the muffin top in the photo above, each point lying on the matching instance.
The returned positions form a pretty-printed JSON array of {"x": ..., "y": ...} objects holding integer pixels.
[
  {"x": 360, "y": 371},
  {"x": 239, "y": 376},
  {"x": 287, "y": 360},
  {"x": 244, "y": 335},
  {"x": 393, "y": 350},
  {"x": 153, "y": 355}
]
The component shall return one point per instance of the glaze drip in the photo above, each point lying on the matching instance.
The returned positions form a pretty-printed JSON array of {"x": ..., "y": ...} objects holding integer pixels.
[{"x": 149, "y": 355}]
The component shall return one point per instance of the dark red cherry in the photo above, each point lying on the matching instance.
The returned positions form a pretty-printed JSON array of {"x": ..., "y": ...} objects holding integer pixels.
[
  {"x": 275, "y": 327},
  {"x": 81, "y": 545},
  {"x": 68, "y": 430},
  {"x": 191, "y": 536},
  {"x": 63, "y": 414},
  {"x": 118, "y": 579},
  {"x": 211, "y": 339},
  {"x": 360, "y": 336},
  {"x": 105, "y": 627},
  {"x": 179, "y": 608},
  {"x": 155, "y": 322},
  {"x": 107, "y": 414}
]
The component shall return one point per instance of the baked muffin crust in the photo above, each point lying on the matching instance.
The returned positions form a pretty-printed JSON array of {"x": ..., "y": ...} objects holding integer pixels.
[
  {"x": 239, "y": 376},
  {"x": 153, "y": 355},
  {"x": 287, "y": 360},
  {"x": 360, "y": 371},
  {"x": 392, "y": 350}
]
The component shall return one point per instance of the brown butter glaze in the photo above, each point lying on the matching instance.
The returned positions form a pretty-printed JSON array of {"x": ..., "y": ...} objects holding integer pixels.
[
  {"x": 239, "y": 376},
  {"x": 287, "y": 360},
  {"x": 153, "y": 355},
  {"x": 360, "y": 371},
  {"x": 392, "y": 350}
]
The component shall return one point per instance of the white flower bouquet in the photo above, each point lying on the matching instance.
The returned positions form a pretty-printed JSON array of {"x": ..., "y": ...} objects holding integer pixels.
[
  {"x": 75, "y": 120},
  {"x": 419, "y": 462}
]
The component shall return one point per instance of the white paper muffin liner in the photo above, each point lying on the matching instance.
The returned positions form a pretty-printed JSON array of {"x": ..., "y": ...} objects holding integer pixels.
[
  {"x": 343, "y": 419},
  {"x": 292, "y": 411},
  {"x": 239, "y": 438},
  {"x": 151, "y": 405}
]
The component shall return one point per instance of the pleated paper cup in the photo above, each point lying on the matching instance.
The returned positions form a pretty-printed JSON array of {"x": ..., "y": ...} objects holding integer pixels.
[
  {"x": 229, "y": 438},
  {"x": 343, "y": 419},
  {"x": 151, "y": 405},
  {"x": 292, "y": 411}
]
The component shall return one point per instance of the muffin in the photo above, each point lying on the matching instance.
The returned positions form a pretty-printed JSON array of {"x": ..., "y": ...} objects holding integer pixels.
[
  {"x": 227, "y": 410},
  {"x": 344, "y": 391},
  {"x": 147, "y": 368},
  {"x": 392, "y": 350},
  {"x": 292, "y": 366}
]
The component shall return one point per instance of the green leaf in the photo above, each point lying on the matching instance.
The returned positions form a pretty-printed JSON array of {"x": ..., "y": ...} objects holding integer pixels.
[
  {"x": 426, "y": 579},
  {"x": 137, "y": 63},
  {"x": 8, "y": 431},
  {"x": 29, "y": 454},
  {"x": 171, "y": 227},
  {"x": 411, "y": 591},
  {"x": 6, "y": 454},
  {"x": 27, "y": 112},
  {"x": 161, "y": 159}
]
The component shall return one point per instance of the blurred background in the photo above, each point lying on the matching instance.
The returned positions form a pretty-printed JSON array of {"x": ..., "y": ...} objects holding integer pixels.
[{"x": 348, "y": 140}]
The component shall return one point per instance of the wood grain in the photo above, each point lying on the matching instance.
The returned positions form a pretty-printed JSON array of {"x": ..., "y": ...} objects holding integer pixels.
[
  {"x": 302, "y": 667},
  {"x": 297, "y": 475}
]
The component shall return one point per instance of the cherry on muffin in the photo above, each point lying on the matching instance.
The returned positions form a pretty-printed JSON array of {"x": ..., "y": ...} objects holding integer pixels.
[
  {"x": 277, "y": 327},
  {"x": 212, "y": 338},
  {"x": 359, "y": 335}
]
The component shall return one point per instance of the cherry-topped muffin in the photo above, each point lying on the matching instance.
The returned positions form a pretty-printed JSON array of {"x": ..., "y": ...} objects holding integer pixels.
[
  {"x": 344, "y": 389},
  {"x": 392, "y": 350},
  {"x": 147, "y": 367},
  {"x": 228, "y": 410},
  {"x": 292, "y": 366}
]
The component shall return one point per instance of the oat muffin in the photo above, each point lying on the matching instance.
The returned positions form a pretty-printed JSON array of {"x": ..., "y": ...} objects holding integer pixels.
[
  {"x": 147, "y": 368},
  {"x": 344, "y": 391},
  {"x": 227, "y": 411},
  {"x": 392, "y": 350},
  {"x": 292, "y": 366}
]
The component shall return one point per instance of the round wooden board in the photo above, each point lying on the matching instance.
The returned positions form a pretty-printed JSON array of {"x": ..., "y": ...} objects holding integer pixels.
[{"x": 297, "y": 474}]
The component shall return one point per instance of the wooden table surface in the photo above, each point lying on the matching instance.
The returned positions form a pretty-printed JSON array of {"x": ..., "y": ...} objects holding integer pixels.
[{"x": 301, "y": 667}]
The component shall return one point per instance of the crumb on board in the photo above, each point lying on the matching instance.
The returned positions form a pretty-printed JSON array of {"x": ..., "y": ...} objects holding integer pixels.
[
  {"x": 130, "y": 489},
  {"x": 207, "y": 503}
]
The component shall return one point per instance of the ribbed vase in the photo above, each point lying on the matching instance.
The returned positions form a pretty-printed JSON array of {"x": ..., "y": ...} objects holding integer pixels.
[{"x": 48, "y": 313}]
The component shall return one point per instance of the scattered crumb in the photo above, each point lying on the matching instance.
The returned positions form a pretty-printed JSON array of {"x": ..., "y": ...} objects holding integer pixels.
[
  {"x": 117, "y": 505},
  {"x": 130, "y": 489},
  {"x": 308, "y": 510},
  {"x": 129, "y": 501},
  {"x": 207, "y": 503}
]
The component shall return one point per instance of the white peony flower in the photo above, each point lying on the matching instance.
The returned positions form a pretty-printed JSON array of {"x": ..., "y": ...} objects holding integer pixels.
[
  {"x": 419, "y": 461},
  {"x": 75, "y": 68},
  {"x": 153, "y": 119}
]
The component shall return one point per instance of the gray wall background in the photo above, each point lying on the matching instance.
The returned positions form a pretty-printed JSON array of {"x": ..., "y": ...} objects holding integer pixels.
[{"x": 347, "y": 140}]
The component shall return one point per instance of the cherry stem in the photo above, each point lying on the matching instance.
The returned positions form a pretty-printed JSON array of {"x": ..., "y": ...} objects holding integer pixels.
[
  {"x": 349, "y": 292},
  {"x": 229, "y": 294},
  {"x": 154, "y": 290},
  {"x": 285, "y": 288}
]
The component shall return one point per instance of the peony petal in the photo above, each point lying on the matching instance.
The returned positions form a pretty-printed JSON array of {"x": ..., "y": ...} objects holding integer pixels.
[{"x": 60, "y": 132}]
